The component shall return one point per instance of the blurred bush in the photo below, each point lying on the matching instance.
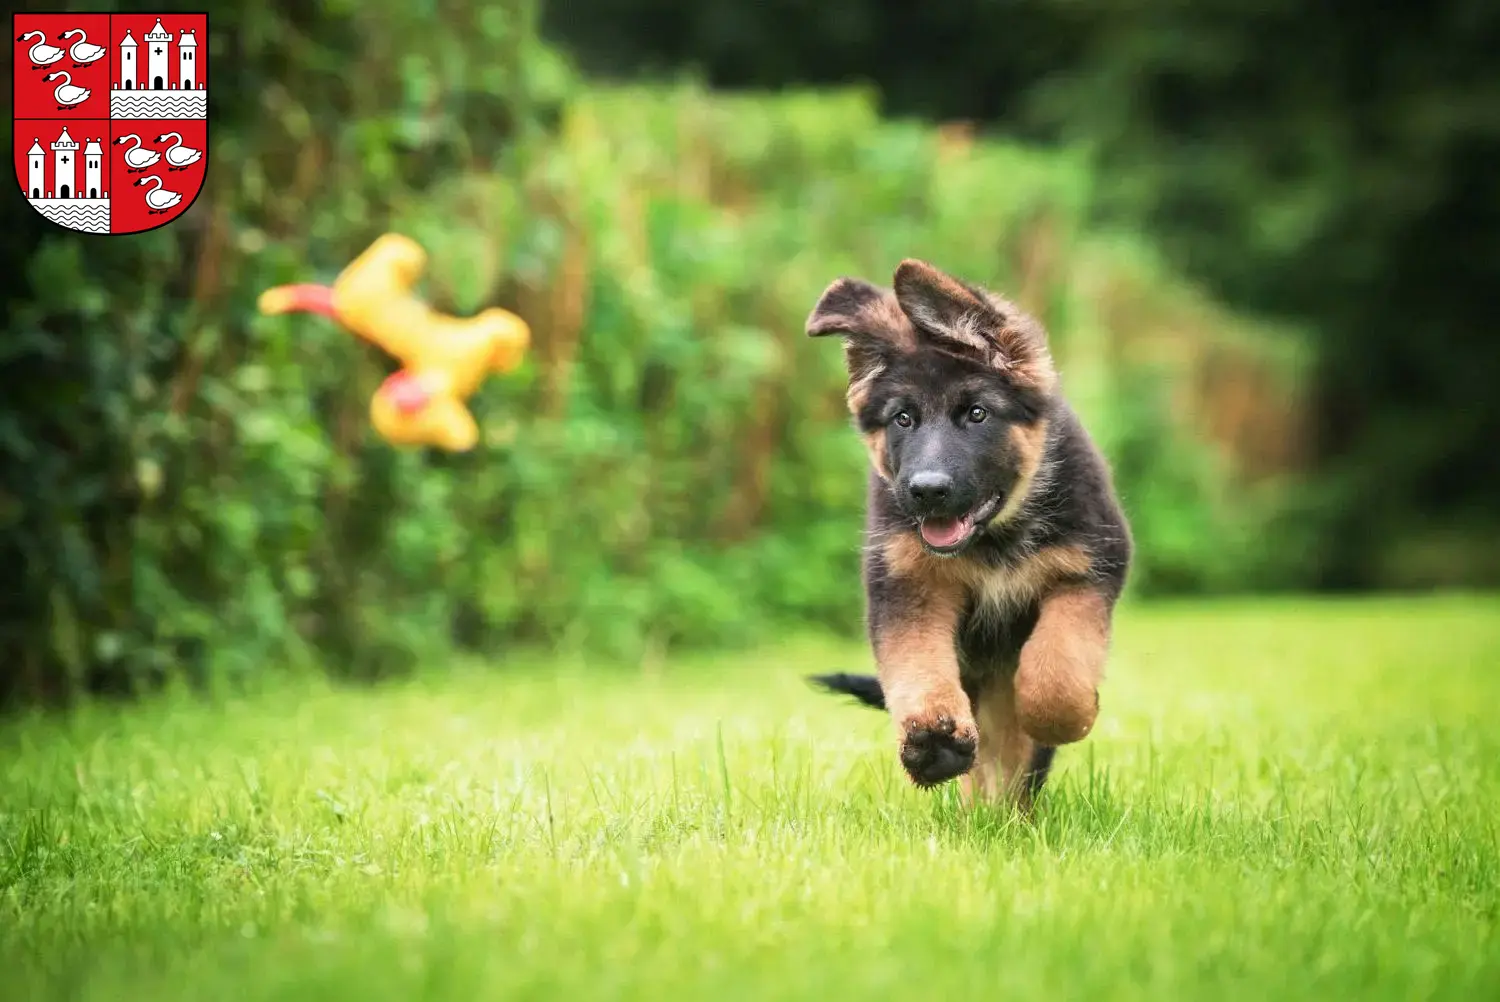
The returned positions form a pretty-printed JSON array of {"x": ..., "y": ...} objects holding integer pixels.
[
  {"x": 1323, "y": 162},
  {"x": 190, "y": 489}
]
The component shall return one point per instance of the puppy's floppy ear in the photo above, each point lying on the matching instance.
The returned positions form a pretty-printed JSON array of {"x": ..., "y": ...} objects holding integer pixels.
[
  {"x": 975, "y": 323},
  {"x": 940, "y": 304},
  {"x": 866, "y": 317},
  {"x": 843, "y": 307}
]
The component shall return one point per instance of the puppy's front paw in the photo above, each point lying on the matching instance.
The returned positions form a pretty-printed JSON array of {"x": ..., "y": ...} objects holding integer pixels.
[
  {"x": 1057, "y": 708},
  {"x": 936, "y": 749}
]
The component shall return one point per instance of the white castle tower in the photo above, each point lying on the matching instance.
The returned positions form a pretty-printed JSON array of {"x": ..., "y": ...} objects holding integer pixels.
[
  {"x": 36, "y": 178},
  {"x": 93, "y": 156},
  {"x": 128, "y": 75},
  {"x": 187, "y": 59},
  {"x": 64, "y": 163},
  {"x": 158, "y": 43}
]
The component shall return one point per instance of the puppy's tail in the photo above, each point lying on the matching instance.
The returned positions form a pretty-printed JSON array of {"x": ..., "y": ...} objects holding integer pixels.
[{"x": 865, "y": 688}]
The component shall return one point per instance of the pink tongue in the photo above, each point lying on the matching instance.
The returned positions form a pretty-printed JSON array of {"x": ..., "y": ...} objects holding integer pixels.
[{"x": 941, "y": 532}]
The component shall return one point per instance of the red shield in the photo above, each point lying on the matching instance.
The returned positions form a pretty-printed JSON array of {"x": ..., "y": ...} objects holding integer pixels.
[{"x": 110, "y": 130}]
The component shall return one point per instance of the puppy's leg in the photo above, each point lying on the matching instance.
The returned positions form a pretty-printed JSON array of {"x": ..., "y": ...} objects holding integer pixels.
[
  {"x": 1010, "y": 765},
  {"x": 912, "y": 629},
  {"x": 1062, "y": 664}
]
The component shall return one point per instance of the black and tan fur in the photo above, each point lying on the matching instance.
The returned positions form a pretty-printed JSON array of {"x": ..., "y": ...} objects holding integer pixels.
[{"x": 989, "y": 651}]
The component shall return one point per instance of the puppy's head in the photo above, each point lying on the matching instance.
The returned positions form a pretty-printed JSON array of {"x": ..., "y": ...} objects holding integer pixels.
[{"x": 950, "y": 385}]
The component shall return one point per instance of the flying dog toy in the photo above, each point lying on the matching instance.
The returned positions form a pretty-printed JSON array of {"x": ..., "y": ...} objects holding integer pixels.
[{"x": 444, "y": 359}]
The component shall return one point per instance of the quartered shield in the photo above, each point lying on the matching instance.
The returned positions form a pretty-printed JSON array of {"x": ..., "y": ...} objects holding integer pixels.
[{"x": 110, "y": 117}]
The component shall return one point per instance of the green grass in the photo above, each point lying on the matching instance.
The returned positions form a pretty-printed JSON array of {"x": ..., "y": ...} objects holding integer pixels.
[{"x": 1289, "y": 801}]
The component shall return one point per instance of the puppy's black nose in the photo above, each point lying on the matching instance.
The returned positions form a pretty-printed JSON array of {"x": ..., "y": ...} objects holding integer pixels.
[{"x": 929, "y": 487}]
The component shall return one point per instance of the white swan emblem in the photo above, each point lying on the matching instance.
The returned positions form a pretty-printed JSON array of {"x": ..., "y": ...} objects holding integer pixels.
[
  {"x": 178, "y": 155},
  {"x": 135, "y": 157},
  {"x": 41, "y": 53},
  {"x": 83, "y": 51},
  {"x": 67, "y": 95},
  {"x": 157, "y": 198}
]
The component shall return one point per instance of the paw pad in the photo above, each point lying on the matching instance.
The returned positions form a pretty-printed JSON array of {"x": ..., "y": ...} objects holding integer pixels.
[{"x": 936, "y": 751}]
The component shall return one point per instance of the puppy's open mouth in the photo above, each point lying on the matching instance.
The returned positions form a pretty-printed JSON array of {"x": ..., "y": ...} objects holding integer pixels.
[{"x": 949, "y": 535}]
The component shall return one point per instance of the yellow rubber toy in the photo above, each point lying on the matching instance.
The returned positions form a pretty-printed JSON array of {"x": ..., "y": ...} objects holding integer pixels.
[{"x": 444, "y": 359}]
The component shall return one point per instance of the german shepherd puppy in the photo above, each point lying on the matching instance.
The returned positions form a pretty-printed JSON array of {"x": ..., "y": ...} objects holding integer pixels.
[{"x": 995, "y": 545}]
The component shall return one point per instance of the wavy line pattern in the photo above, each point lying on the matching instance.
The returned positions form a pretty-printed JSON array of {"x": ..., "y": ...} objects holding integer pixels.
[
  {"x": 85, "y": 218},
  {"x": 161, "y": 104}
]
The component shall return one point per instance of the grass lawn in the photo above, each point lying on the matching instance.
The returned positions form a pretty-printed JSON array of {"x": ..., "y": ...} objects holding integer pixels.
[{"x": 1282, "y": 800}]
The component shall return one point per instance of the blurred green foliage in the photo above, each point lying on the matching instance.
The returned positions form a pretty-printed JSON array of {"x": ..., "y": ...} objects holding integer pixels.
[
  {"x": 1330, "y": 163},
  {"x": 191, "y": 489}
]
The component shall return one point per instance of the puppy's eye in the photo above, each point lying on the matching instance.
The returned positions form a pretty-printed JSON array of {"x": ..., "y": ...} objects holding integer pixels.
[
  {"x": 903, "y": 419},
  {"x": 977, "y": 414}
]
